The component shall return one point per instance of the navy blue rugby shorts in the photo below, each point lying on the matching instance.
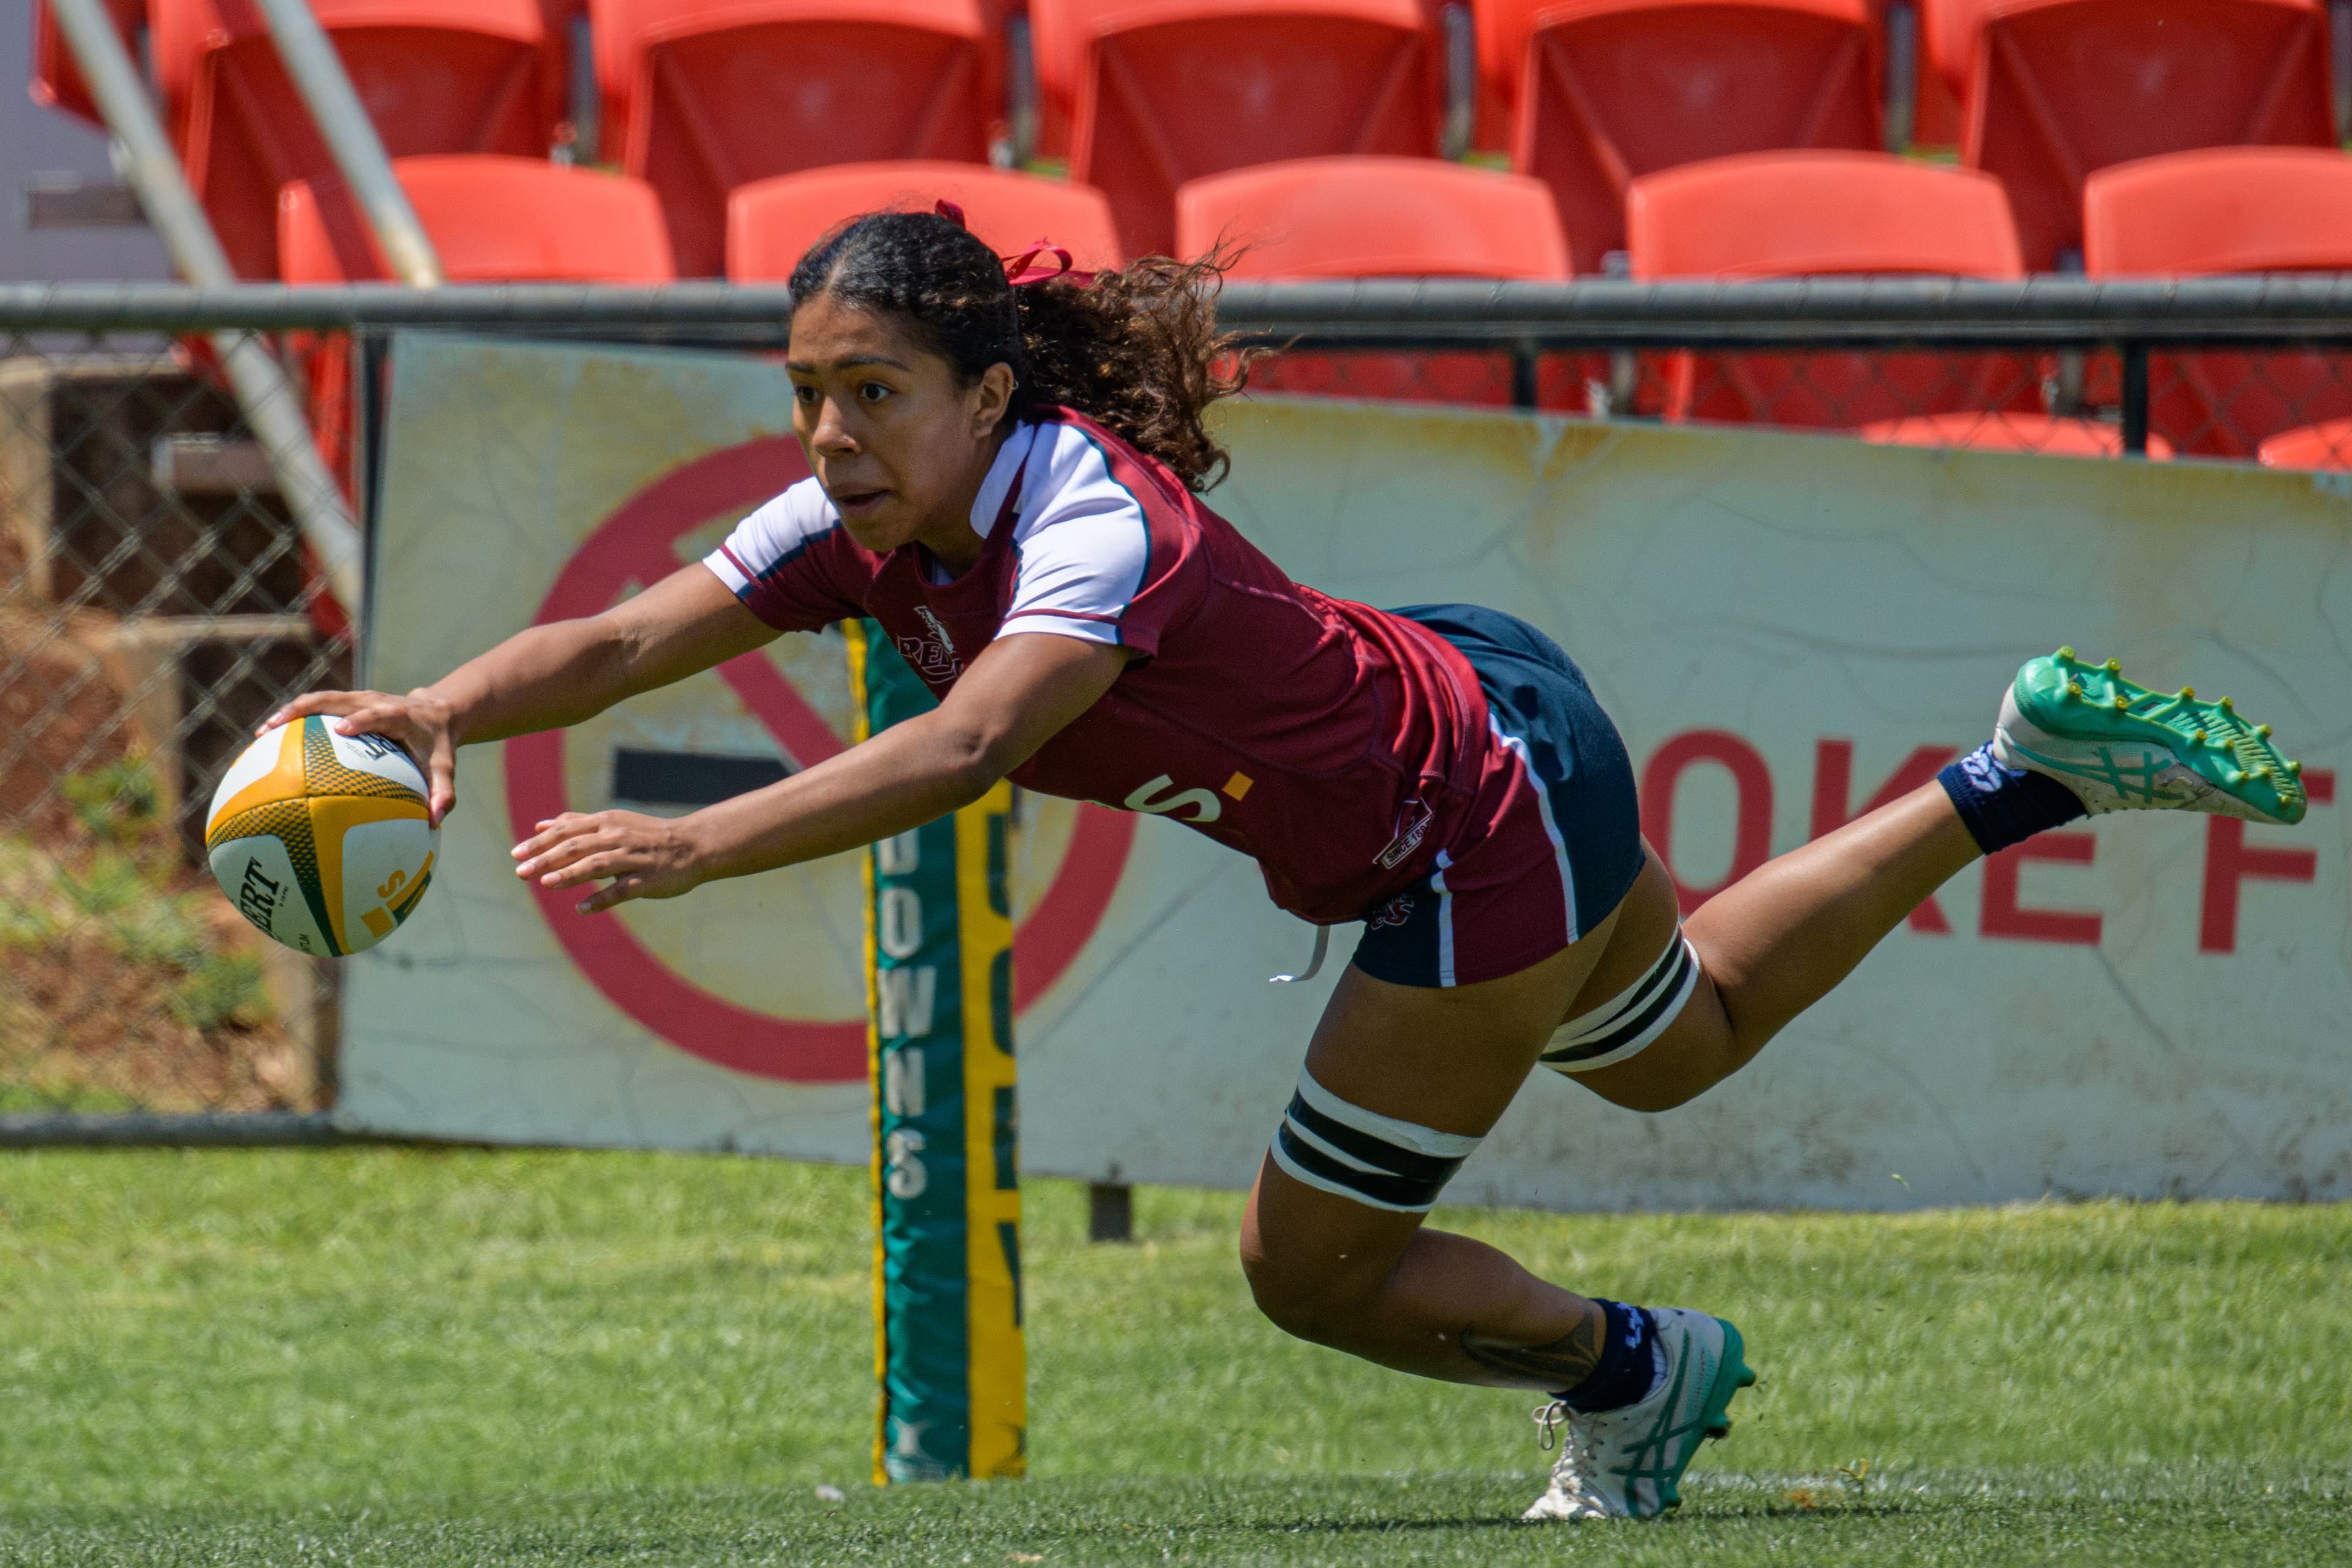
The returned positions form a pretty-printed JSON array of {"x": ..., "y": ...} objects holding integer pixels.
[{"x": 1562, "y": 844}]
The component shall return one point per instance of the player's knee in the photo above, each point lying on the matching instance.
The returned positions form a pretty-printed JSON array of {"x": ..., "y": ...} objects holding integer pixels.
[
  {"x": 1304, "y": 1282},
  {"x": 1304, "y": 1298}
]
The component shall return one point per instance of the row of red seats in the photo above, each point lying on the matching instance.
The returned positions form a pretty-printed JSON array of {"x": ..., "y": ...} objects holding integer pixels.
[
  {"x": 702, "y": 97},
  {"x": 1748, "y": 216},
  {"x": 1598, "y": 92},
  {"x": 2218, "y": 211}
]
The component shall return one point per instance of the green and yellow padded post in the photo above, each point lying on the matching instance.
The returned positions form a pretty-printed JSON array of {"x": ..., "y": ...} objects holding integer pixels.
[{"x": 947, "y": 1198}]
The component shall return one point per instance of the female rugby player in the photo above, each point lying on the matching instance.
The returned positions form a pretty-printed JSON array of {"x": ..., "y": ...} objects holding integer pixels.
[{"x": 1006, "y": 478}]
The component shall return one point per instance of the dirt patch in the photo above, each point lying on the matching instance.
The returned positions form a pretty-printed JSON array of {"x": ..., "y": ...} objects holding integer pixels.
[
  {"x": 127, "y": 982},
  {"x": 59, "y": 717}
]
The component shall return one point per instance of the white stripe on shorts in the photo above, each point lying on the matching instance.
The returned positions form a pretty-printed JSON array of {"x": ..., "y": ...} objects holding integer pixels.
[
  {"x": 1445, "y": 920},
  {"x": 1518, "y": 748}
]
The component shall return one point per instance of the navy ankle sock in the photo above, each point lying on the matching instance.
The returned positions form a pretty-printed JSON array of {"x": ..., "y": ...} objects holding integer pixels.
[
  {"x": 2004, "y": 806},
  {"x": 1627, "y": 1368}
]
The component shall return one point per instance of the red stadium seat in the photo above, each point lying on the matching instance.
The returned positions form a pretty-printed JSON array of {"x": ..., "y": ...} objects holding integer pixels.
[
  {"x": 1605, "y": 92},
  {"x": 1781, "y": 214},
  {"x": 1374, "y": 217},
  {"x": 2219, "y": 210},
  {"x": 436, "y": 76},
  {"x": 1987, "y": 432},
  {"x": 1163, "y": 91},
  {"x": 492, "y": 220},
  {"x": 1377, "y": 217},
  {"x": 2327, "y": 445},
  {"x": 1777, "y": 215},
  {"x": 56, "y": 80},
  {"x": 702, "y": 96},
  {"x": 1947, "y": 36},
  {"x": 771, "y": 223},
  {"x": 2057, "y": 89}
]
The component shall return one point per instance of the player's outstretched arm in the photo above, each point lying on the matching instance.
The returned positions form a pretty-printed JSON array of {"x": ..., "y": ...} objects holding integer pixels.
[
  {"x": 1017, "y": 694},
  {"x": 548, "y": 676}
]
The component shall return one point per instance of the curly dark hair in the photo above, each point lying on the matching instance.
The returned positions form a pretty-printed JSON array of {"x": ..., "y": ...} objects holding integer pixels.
[{"x": 1137, "y": 350}]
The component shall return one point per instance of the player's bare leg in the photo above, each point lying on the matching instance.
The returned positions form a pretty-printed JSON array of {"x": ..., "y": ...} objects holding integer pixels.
[
  {"x": 1400, "y": 1081},
  {"x": 1372, "y": 1281},
  {"x": 1772, "y": 944},
  {"x": 2073, "y": 737}
]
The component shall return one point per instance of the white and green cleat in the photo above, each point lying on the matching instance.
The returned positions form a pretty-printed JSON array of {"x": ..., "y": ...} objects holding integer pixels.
[
  {"x": 1629, "y": 1463},
  {"x": 2121, "y": 747}
]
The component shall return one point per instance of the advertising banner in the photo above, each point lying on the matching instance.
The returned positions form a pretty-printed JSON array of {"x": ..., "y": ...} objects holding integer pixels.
[{"x": 1786, "y": 628}]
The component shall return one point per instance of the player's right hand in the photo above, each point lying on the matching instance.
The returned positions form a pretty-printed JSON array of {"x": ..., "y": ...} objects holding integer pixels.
[{"x": 419, "y": 721}]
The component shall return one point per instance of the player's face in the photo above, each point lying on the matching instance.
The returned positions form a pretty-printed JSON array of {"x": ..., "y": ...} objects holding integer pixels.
[{"x": 899, "y": 445}]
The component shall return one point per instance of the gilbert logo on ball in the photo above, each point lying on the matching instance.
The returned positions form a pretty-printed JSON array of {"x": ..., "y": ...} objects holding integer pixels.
[{"x": 321, "y": 839}]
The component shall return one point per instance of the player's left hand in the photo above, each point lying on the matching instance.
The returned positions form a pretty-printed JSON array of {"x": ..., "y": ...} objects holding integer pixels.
[{"x": 644, "y": 857}]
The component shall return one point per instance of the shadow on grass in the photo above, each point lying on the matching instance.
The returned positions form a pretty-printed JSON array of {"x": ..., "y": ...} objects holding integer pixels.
[{"x": 1713, "y": 1512}]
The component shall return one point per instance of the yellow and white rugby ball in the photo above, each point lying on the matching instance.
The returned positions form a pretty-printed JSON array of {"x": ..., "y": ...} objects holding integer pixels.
[{"x": 321, "y": 839}]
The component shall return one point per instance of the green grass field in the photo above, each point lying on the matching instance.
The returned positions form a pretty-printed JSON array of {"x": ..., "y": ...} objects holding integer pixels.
[{"x": 416, "y": 1358}]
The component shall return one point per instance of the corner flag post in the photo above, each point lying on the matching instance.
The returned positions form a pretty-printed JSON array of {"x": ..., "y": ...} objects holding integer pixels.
[{"x": 948, "y": 1351}]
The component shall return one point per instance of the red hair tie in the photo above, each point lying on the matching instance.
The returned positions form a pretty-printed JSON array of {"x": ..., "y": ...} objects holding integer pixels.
[{"x": 1025, "y": 268}]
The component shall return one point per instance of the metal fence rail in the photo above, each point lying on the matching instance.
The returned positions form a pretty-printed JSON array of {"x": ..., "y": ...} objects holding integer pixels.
[
  {"x": 157, "y": 596},
  {"x": 2049, "y": 310}
]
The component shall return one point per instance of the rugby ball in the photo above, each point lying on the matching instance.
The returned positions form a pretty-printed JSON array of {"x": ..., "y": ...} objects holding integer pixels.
[{"x": 321, "y": 839}]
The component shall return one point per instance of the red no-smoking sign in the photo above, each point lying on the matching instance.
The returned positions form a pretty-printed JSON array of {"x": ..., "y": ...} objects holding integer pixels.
[{"x": 638, "y": 545}]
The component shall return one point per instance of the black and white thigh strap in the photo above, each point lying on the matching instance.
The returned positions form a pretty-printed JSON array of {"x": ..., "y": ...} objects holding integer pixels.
[
  {"x": 1352, "y": 1153},
  {"x": 1631, "y": 1019}
]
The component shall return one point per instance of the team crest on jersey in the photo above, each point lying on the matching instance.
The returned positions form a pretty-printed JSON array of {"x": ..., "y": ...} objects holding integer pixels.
[{"x": 933, "y": 656}]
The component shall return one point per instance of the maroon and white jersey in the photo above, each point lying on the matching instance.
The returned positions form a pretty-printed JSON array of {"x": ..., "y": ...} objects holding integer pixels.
[{"x": 1339, "y": 746}]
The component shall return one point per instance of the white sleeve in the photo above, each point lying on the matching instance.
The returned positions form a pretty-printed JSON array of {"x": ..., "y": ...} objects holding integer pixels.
[
  {"x": 1082, "y": 542},
  {"x": 773, "y": 536}
]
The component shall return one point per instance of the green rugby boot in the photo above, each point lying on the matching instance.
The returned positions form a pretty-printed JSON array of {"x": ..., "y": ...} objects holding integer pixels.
[
  {"x": 1629, "y": 1463},
  {"x": 2121, "y": 747}
]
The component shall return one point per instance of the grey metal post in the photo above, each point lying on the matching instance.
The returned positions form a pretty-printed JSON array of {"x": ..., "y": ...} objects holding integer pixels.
[
  {"x": 1901, "y": 31},
  {"x": 318, "y": 76},
  {"x": 1110, "y": 1211},
  {"x": 1021, "y": 115},
  {"x": 1525, "y": 366},
  {"x": 1461, "y": 80},
  {"x": 272, "y": 409},
  {"x": 2339, "y": 53},
  {"x": 2135, "y": 357}
]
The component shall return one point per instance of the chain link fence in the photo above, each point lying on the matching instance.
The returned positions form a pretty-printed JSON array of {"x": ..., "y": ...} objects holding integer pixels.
[
  {"x": 156, "y": 602},
  {"x": 157, "y": 599}
]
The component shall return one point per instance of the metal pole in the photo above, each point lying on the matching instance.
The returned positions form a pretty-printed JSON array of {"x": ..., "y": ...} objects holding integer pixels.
[
  {"x": 1523, "y": 375},
  {"x": 1110, "y": 1211},
  {"x": 318, "y": 76},
  {"x": 2135, "y": 357},
  {"x": 1461, "y": 80},
  {"x": 1021, "y": 116},
  {"x": 272, "y": 409},
  {"x": 2339, "y": 51},
  {"x": 1901, "y": 31},
  {"x": 2250, "y": 311}
]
